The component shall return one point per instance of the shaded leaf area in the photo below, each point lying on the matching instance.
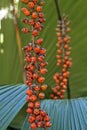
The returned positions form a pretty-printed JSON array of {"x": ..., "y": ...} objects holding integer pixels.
[
  {"x": 65, "y": 114},
  {"x": 10, "y": 67},
  {"x": 12, "y": 99}
]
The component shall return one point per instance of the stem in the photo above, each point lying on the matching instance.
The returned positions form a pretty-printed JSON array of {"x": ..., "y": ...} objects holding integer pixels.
[
  {"x": 68, "y": 90},
  {"x": 60, "y": 18},
  {"x": 58, "y": 10},
  {"x": 18, "y": 39}
]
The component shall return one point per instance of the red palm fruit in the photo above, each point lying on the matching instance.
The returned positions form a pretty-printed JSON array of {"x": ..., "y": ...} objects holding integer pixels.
[
  {"x": 39, "y": 41},
  {"x": 33, "y": 98},
  {"x": 37, "y": 104},
  {"x": 27, "y": 98},
  {"x": 64, "y": 87},
  {"x": 43, "y": 64},
  {"x": 58, "y": 93},
  {"x": 25, "y": 1},
  {"x": 34, "y": 15},
  {"x": 25, "y": 30},
  {"x": 55, "y": 98},
  {"x": 29, "y": 110},
  {"x": 62, "y": 91},
  {"x": 43, "y": 51},
  {"x": 25, "y": 20},
  {"x": 31, "y": 104},
  {"x": 38, "y": 8},
  {"x": 61, "y": 96},
  {"x": 41, "y": 95},
  {"x": 43, "y": 113},
  {"x": 42, "y": 20},
  {"x": 46, "y": 118},
  {"x": 41, "y": 15},
  {"x": 31, "y": 119},
  {"x": 58, "y": 64},
  {"x": 25, "y": 11},
  {"x": 39, "y": 118},
  {"x": 48, "y": 124},
  {"x": 40, "y": 58},
  {"x": 57, "y": 81},
  {"x": 58, "y": 87},
  {"x": 29, "y": 48},
  {"x": 52, "y": 96},
  {"x": 36, "y": 88},
  {"x": 28, "y": 83},
  {"x": 58, "y": 56},
  {"x": 61, "y": 84},
  {"x": 30, "y": 67},
  {"x": 61, "y": 77},
  {"x": 43, "y": 87},
  {"x": 41, "y": 79},
  {"x": 27, "y": 59},
  {"x": 37, "y": 49},
  {"x": 59, "y": 51},
  {"x": 58, "y": 34},
  {"x": 40, "y": 124},
  {"x": 31, "y": 22},
  {"x": 33, "y": 59},
  {"x": 63, "y": 70},
  {"x": 31, "y": 4},
  {"x": 35, "y": 33},
  {"x": 35, "y": 76},
  {"x": 66, "y": 39},
  {"x": 36, "y": 111},
  {"x": 66, "y": 46},
  {"x": 43, "y": 71},
  {"x": 65, "y": 80},
  {"x": 68, "y": 53},
  {"x": 37, "y": 25},
  {"x": 54, "y": 90},
  {"x": 65, "y": 66},
  {"x": 29, "y": 92},
  {"x": 33, "y": 126}
]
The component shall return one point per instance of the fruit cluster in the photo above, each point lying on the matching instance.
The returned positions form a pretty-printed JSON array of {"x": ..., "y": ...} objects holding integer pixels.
[
  {"x": 35, "y": 67},
  {"x": 63, "y": 60}
]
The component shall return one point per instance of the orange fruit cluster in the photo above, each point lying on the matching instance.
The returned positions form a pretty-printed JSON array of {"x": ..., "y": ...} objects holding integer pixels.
[
  {"x": 64, "y": 62},
  {"x": 35, "y": 67}
]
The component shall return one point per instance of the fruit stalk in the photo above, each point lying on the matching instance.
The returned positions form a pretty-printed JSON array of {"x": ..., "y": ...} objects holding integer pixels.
[
  {"x": 63, "y": 61},
  {"x": 35, "y": 67}
]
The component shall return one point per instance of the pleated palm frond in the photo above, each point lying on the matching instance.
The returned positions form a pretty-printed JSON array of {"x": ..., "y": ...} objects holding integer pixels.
[
  {"x": 65, "y": 114},
  {"x": 12, "y": 99}
]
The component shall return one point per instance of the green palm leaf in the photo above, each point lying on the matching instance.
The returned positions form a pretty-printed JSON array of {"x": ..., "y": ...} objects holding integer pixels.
[
  {"x": 65, "y": 114},
  {"x": 12, "y": 99}
]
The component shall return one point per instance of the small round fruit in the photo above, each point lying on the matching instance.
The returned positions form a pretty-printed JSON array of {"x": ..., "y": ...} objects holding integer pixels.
[
  {"x": 36, "y": 111},
  {"x": 31, "y": 4},
  {"x": 33, "y": 126},
  {"x": 26, "y": 11},
  {"x": 34, "y": 15},
  {"x": 29, "y": 92},
  {"x": 31, "y": 104},
  {"x": 29, "y": 110},
  {"x": 37, "y": 104},
  {"x": 33, "y": 98},
  {"x": 43, "y": 87},
  {"x": 43, "y": 71},
  {"x": 41, "y": 79},
  {"x": 41, "y": 95},
  {"x": 39, "y": 9}
]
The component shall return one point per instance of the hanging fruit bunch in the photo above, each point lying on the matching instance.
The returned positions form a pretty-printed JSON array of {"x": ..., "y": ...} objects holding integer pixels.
[
  {"x": 64, "y": 62},
  {"x": 35, "y": 67}
]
